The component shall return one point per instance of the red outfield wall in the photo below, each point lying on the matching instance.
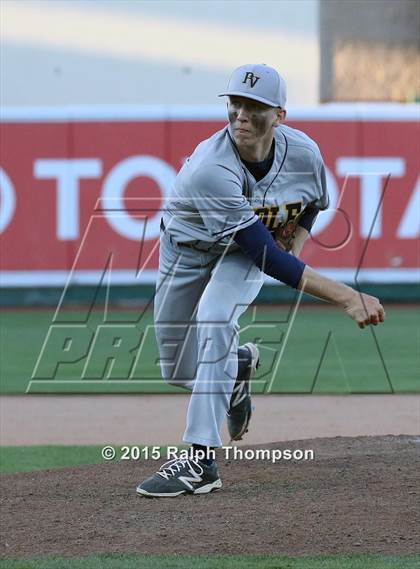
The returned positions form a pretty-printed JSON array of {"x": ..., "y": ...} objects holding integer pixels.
[{"x": 81, "y": 190}]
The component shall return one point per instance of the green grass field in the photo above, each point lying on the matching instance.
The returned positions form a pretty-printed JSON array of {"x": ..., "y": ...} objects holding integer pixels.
[
  {"x": 320, "y": 350},
  {"x": 217, "y": 562},
  {"x": 42, "y": 457}
]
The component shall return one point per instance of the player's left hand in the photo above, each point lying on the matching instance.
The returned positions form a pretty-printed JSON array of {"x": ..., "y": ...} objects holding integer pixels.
[{"x": 365, "y": 310}]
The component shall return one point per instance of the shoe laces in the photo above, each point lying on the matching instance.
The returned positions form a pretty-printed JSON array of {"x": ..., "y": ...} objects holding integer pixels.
[{"x": 172, "y": 467}]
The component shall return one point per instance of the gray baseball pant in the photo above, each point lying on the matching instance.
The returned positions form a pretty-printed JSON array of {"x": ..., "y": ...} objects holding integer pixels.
[{"x": 199, "y": 299}]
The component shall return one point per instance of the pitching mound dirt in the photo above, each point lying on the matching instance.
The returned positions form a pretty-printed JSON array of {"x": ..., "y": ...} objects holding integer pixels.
[{"x": 358, "y": 495}]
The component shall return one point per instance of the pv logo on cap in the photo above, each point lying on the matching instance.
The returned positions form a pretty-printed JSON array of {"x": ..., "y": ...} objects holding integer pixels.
[{"x": 249, "y": 76}]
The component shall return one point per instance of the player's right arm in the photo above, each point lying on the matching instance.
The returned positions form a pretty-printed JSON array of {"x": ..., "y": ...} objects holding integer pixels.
[
  {"x": 363, "y": 308},
  {"x": 257, "y": 242}
]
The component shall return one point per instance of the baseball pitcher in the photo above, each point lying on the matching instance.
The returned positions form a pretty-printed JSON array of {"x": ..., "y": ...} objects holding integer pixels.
[{"x": 243, "y": 204}]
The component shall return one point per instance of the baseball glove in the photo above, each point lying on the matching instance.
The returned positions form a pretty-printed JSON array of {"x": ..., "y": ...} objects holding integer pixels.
[{"x": 285, "y": 233}]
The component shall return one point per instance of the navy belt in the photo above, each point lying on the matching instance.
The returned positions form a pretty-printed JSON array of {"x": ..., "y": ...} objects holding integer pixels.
[
  {"x": 180, "y": 244},
  {"x": 192, "y": 245}
]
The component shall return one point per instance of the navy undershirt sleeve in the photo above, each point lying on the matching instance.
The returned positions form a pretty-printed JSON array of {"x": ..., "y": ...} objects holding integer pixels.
[
  {"x": 308, "y": 218},
  {"x": 257, "y": 242}
]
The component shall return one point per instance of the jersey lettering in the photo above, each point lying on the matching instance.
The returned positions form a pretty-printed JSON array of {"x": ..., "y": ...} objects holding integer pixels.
[
  {"x": 293, "y": 210},
  {"x": 267, "y": 215}
]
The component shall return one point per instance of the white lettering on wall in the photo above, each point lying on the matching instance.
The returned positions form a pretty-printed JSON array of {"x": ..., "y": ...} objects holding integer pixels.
[
  {"x": 371, "y": 172},
  {"x": 67, "y": 173},
  {"x": 7, "y": 200},
  {"x": 113, "y": 195},
  {"x": 409, "y": 227}
]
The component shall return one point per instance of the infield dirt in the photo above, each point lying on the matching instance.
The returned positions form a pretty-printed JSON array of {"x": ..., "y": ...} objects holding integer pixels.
[{"x": 358, "y": 495}]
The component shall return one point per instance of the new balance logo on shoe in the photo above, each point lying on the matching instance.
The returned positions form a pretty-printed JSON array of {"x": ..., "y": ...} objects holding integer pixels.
[
  {"x": 239, "y": 394},
  {"x": 195, "y": 477}
]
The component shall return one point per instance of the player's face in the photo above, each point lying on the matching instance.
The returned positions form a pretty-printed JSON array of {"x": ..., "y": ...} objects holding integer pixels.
[{"x": 252, "y": 121}]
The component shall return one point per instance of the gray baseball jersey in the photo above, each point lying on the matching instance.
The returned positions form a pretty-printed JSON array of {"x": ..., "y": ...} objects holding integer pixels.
[
  {"x": 201, "y": 293},
  {"x": 214, "y": 194}
]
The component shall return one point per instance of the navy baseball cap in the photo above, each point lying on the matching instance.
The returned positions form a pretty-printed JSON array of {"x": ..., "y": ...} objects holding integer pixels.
[{"x": 259, "y": 82}]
